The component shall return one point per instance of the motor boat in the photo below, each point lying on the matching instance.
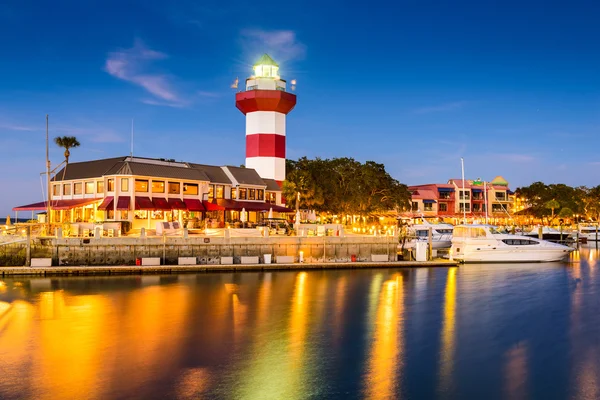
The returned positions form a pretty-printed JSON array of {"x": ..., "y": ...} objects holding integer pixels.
[
  {"x": 551, "y": 234},
  {"x": 441, "y": 235},
  {"x": 590, "y": 233},
  {"x": 489, "y": 244}
]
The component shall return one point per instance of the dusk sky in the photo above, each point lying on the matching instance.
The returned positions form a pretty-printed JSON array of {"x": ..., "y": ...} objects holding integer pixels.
[{"x": 512, "y": 87}]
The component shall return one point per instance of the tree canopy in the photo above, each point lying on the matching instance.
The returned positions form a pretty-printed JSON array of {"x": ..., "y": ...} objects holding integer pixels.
[
  {"x": 343, "y": 186},
  {"x": 547, "y": 201}
]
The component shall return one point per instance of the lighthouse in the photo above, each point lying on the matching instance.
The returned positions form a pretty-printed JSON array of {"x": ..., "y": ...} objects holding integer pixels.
[{"x": 265, "y": 103}]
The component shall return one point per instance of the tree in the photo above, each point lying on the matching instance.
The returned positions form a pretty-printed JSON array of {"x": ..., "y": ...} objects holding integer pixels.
[
  {"x": 565, "y": 212},
  {"x": 67, "y": 142},
  {"x": 552, "y": 205}
]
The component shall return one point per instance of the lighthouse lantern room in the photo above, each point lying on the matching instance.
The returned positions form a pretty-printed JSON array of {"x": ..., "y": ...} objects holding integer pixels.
[{"x": 265, "y": 102}]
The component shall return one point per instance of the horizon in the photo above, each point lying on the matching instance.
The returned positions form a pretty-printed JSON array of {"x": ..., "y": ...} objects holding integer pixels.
[{"x": 512, "y": 90}]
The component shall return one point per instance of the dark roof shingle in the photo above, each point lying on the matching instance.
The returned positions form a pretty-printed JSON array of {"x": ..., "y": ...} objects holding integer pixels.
[
  {"x": 246, "y": 176},
  {"x": 87, "y": 169}
]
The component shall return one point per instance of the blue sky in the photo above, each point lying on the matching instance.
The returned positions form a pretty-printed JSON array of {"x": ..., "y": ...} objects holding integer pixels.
[{"x": 512, "y": 86}]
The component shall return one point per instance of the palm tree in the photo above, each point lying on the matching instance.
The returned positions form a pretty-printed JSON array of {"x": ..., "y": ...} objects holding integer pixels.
[
  {"x": 67, "y": 142},
  {"x": 552, "y": 205}
]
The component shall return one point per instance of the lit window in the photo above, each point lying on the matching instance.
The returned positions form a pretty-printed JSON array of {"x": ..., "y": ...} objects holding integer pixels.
[
  {"x": 242, "y": 193},
  {"x": 56, "y": 190},
  {"x": 428, "y": 207},
  {"x": 233, "y": 193},
  {"x": 124, "y": 184},
  {"x": 100, "y": 187},
  {"x": 67, "y": 189},
  {"x": 443, "y": 207},
  {"x": 271, "y": 197},
  {"x": 260, "y": 194},
  {"x": 190, "y": 188},
  {"x": 78, "y": 188},
  {"x": 211, "y": 192},
  {"x": 174, "y": 187},
  {"x": 252, "y": 194},
  {"x": 141, "y": 185},
  {"x": 110, "y": 183},
  {"x": 158, "y": 187},
  {"x": 220, "y": 191},
  {"x": 89, "y": 187}
]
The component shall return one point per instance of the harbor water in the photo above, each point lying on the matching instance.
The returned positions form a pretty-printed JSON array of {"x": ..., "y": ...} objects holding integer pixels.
[{"x": 470, "y": 332}]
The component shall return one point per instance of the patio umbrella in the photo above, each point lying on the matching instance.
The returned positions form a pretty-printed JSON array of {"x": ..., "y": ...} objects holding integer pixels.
[
  {"x": 298, "y": 216},
  {"x": 243, "y": 215},
  {"x": 312, "y": 216},
  {"x": 8, "y": 220},
  {"x": 270, "y": 213}
]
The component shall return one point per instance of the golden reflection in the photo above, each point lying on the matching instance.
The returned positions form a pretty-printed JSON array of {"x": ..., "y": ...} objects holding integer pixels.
[
  {"x": 374, "y": 291},
  {"x": 240, "y": 312},
  {"x": 385, "y": 363},
  {"x": 2, "y": 287},
  {"x": 67, "y": 365},
  {"x": 338, "y": 308},
  {"x": 448, "y": 332},
  {"x": 298, "y": 319},
  {"x": 193, "y": 383},
  {"x": 515, "y": 372}
]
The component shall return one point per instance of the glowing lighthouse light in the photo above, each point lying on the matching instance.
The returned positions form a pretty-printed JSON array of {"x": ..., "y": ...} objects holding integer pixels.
[{"x": 265, "y": 104}]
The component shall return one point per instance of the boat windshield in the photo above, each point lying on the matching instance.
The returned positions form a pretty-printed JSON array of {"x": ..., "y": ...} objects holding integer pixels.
[
  {"x": 444, "y": 231},
  {"x": 496, "y": 230},
  {"x": 468, "y": 232}
]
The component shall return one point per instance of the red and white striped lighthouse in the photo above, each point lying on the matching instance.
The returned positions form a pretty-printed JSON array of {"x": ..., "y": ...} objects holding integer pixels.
[{"x": 266, "y": 104}]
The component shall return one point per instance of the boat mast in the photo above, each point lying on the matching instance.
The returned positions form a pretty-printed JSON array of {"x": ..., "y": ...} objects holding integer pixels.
[
  {"x": 48, "y": 179},
  {"x": 485, "y": 201},
  {"x": 462, "y": 164}
]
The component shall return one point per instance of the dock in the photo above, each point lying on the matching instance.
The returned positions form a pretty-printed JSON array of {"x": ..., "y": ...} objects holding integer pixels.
[{"x": 181, "y": 269}]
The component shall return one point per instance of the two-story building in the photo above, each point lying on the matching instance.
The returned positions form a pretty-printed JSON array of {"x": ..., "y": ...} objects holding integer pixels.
[{"x": 144, "y": 191}]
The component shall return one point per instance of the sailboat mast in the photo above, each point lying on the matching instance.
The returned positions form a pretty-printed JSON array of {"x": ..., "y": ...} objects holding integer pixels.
[
  {"x": 48, "y": 178},
  {"x": 485, "y": 202},
  {"x": 462, "y": 164}
]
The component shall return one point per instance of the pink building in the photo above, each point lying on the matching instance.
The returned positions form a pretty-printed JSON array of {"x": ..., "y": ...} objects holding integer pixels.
[{"x": 450, "y": 201}]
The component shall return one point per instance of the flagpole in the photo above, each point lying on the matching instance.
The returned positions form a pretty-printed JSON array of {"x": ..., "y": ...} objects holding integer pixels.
[{"x": 462, "y": 164}]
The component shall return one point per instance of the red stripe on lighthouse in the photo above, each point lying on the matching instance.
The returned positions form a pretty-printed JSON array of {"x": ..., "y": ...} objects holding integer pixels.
[{"x": 265, "y": 145}]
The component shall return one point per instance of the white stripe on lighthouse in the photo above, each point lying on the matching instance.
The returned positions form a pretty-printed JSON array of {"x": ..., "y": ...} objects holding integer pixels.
[
  {"x": 268, "y": 167},
  {"x": 265, "y": 122}
]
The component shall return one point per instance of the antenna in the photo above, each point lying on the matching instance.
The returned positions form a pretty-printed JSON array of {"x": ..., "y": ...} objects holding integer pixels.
[{"x": 131, "y": 154}]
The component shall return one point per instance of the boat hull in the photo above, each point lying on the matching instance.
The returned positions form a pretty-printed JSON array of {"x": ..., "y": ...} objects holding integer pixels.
[{"x": 512, "y": 255}]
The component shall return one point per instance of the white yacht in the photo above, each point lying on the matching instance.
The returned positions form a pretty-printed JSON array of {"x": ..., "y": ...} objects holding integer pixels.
[
  {"x": 441, "y": 234},
  {"x": 487, "y": 243},
  {"x": 591, "y": 233}
]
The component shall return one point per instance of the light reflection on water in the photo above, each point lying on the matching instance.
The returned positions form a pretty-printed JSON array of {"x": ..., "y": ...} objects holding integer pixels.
[{"x": 476, "y": 331}]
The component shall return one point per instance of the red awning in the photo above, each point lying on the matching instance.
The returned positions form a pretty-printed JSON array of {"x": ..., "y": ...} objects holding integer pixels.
[
  {"x": 213, "y": 206},
  {"x": 123, "y": 203},
  {"x": 193, "y": 205},
  {"x": 177, "y": 204},
  {"x": 68, "y": 204},
  {"x": 143, "y": 203},
  {"x": 160, "y": 203},
  {"x": 106, "y": 203},
  {"x": 41, "y": 206}
]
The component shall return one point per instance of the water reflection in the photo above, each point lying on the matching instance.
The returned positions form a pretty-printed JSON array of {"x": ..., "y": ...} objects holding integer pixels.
[
  {"x": 483, "y": 331},
  {"x": 385, "y": 360},
  {"x": 448, "y": 332}
]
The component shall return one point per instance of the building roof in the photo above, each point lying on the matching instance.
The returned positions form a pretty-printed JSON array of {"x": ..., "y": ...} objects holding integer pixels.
[
  {"x": 246, "y": 176},
  {"x": 266, "y": 60},
  {"x": 272, "y": 185},
  {"x": 163, "y": 171},
  {"x": 500, "y": 181},
  {"x": 424, "y": 194},
  {"x": 215, "y": 174},
  {"x": 432, "y": 186},
  {"x": 87, "y": 169}
]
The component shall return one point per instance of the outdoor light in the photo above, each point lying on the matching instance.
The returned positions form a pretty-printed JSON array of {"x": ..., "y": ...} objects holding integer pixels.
[{"x": 301, "y": 256}]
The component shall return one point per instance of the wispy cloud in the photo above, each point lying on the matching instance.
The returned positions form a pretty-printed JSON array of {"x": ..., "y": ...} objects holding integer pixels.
[
  {"x": 457, "y": 105},
  {"x": 283, "y": 45},
  {"x": 133, "y": 65},
  {"x": 18, "y": 127}
]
